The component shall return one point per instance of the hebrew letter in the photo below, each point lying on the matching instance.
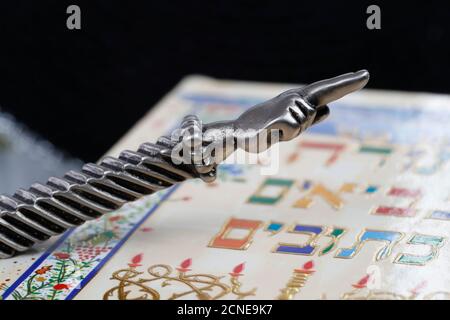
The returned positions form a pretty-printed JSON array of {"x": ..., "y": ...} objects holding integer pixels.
[
  {"x": 404, "y": 193},
  {"x": 335, "y": 234},
  {"x": 384, "y": 151},
  {"x": 271, "y": 191},
  {"x": 222, "y": 239},
  {"x": 274, "y": 227},
  {"x": 433, "y": 242},
  {"x": 409, "y": 211},
  {"x": 375, "y": 149},
  {"x": 348, "y": 188},
  {"x": 335, "y": 148},
  {"x": 439, "y": 215},
  {"x": 390, "y": 239},
  {"x": 330, "y": 197},
  {"x": 439, "y": 160},
  {"x": 394, "y": 211},
  {"x": 306, "y": 249}
]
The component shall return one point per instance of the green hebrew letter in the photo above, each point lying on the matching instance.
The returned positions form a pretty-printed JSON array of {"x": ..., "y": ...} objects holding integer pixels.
[
  {"x": 434, "y": 242},
  {"x": 271, "y": 191}
]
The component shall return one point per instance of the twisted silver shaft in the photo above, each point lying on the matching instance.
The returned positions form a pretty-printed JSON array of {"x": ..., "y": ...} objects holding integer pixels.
[{"x": 46, "y": 210}]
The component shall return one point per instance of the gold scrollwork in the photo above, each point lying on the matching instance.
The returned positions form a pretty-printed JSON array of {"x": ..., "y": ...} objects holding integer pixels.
[{"x": 134, "y": 285}]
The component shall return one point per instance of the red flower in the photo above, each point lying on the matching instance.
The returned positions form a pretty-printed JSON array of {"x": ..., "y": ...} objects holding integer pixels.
[
  {"x": 362, "y": 283},
  {"x": 61, "y": 286},
  {"x": 62, "y": 255},
  {"x": 136, "y": 261},
  {"x": 184, "y": 266},
  {"x": 115, "y": 218},
  {"x": 43, "y": 270},
  {"x": 237, "y": 270}
]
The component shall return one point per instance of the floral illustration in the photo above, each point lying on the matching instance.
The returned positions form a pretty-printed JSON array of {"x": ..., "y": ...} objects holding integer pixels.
[{"x": 77, "y": 256}]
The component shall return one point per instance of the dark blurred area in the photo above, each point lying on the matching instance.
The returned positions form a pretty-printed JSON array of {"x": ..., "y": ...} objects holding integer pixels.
[{"x": 83, "y": 89}]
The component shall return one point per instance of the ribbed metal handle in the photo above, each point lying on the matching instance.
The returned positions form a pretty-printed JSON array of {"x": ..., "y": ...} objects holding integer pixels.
[{"x": 46, "y": 210}]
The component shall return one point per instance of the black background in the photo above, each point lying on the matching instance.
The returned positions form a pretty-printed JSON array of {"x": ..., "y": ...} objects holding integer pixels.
[{"x": 82, "y": 89}]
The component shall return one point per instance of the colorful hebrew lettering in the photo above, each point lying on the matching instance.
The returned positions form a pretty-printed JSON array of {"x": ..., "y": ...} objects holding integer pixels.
[
  {"x": 371, "y": 189},
  {"x": 390, "y": 239},
  {"x": 348, "y": 187},
  {"x": 394, "y": 211},
  {"x": 274, "y": 227},
  {"x": 434, "y": 242},
  {"x": 271, "y": 191},
  {"x": 335, "y": 234},
  {"x": 375, "y": 149},
  {"x": 409, "y": 211},
  {"x": 442, "y": 157},
  {"x": 221, "y": 240},
  {"x": 439, "y": 215},
  {"x": 306, "y": 249},
  {"x": 307, "y": 184},
  {"x": 384, "y": 151},
  {"x": 333, "y": 199},
  {"x": 404, "y": 192},
  {"x": 335, "y": 148}
]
